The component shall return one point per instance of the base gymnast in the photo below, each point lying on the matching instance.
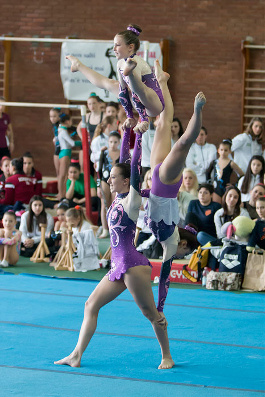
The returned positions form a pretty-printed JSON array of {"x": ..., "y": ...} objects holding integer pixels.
[
  {"x": 166, "y": 168},
  {"x": 129, "y": 268}
]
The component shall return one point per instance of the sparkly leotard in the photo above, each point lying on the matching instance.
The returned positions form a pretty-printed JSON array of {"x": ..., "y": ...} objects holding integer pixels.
[
  {"x": 150, "y": 81},
  {"x": 122, "y": 226}
]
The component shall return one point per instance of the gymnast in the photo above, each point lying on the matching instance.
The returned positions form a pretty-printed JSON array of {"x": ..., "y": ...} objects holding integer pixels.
[
  {"x": 136, "y": 79},
  {"x": 129, "y": 268},
  {"x": 133, "y": 72},
  {"x": 162, "y": 215}
]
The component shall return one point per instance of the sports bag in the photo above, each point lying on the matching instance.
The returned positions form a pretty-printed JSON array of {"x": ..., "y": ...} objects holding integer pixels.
[
  {"x": 198, "y": 261},
  {"x": 233, "y": 258}
]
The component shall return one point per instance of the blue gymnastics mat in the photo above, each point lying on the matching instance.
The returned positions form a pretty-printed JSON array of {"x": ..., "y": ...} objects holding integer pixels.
[{"x": 216, "y": 339}]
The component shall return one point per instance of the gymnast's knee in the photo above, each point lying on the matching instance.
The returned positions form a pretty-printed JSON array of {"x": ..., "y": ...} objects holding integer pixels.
[{"x": 160, "y": 321}]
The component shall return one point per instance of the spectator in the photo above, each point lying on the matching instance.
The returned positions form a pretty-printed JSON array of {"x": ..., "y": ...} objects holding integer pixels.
[
  {"x": 94, "y": 117},
  {"x": 55, "y": 120},
  {"x": 257, "y": 236},
  {"x": 222, "y": 169},
  {"x": 176, "y": 129},
  {"x": 230, "y": 209},
  {"x": 108, "y": 159},
  {"x": 29, "y": 170},
  {"x": 189, "y": 183},
  {"x": 248, "y": 144},
  {"x": 30, "y": 226},
  {"x": 254, "y": 175},
  {"x": 19, "y": 188},
  {"x": 60, "y": 212},
  {"x": 257, "y": 192},
  {"x": 10, "y": 239},
  {"x": 6, "y": 131},
  {"x": 5, "y": 168},
  {"x": 201, "y": 212},
  {"x": 75, "y": 188},
  {"x": 147, "y": 143},
  {"x": 200, "y": 155},
  {"x": 101, "y": 138}
]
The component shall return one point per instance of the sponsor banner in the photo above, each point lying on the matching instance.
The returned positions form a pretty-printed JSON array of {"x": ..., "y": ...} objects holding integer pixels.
[
  {"x": 98, "y": 56},
  {"x": 176, "y": 275}
]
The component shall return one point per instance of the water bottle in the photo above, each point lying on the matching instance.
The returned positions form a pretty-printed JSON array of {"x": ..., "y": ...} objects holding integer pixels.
[{"x": 204, "y": 276}]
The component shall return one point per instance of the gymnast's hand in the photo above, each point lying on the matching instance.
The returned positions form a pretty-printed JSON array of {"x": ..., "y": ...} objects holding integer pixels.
[
  {"x": 141, "y": 127},
  {"x": 128, "y": 123}
]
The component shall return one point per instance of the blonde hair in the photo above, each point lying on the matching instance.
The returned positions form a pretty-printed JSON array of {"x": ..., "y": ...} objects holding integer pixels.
[
  {"x": 75, "y": 213},
  {"x": 146, "y": 176},
  {"x": 100, "y": 128},
  {"x": 194, "y": 190}
]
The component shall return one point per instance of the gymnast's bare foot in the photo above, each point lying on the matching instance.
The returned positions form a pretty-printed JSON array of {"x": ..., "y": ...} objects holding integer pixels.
[
  {"x": 130, "y": 64},
  {"x": 166, "y": 363},
  {"x": 200, "y": 101},
  {"x": 75, "y": 63},
  {"x": 162, "y": 77},
  {"x": 73, "y": 360}
]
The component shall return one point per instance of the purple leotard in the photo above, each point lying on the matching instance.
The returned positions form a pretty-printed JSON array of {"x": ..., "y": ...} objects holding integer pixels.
[
  {"x": 122, "y": 227},
  {"x": 150, "y": 81},
  {"x": 162, "y": 208}
]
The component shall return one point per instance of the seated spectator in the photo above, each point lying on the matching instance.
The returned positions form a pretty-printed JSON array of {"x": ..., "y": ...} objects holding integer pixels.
[
  {"x": 200, "y": 155},
  {"x": 60, "y": 212},
  {"x": 147, "y": 143},
  {"x": 5, "y": 168},
  {"x": 222, "y": 169},
  {"x": 86, "y": 256},
  {"x": 189, "y": 183},
  {"x": 201, "y": 212},
  {"x": 257, "y": 236},
  {"x": 30, "y": 226},
  {"x": 29, "y": 170},
  {"x": 254, "y": 175},
  {"x": 9, "y": 240},
  {"x": 144, "y": 231},
  {"x": 257, "y": 192},
  {"x": 230, "y": 209},
  {"x": 19, "y": 188},
  {"x": 75, "y": 188},
  {"x": 101, "y": 138}
]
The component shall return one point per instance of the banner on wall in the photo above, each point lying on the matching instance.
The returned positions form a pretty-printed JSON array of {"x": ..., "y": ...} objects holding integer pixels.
[{"x": 100, "y": 57}]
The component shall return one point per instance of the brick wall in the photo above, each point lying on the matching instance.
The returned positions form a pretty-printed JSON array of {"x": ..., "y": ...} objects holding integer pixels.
[{"x": 204, "y": 55}]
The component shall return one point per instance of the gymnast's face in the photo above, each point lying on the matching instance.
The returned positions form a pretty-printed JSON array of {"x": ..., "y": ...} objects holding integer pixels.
[
  {"x": 121, "y": 49},
  {"x": 9, "y": 221},
  {"x": 118, "y": 184}
]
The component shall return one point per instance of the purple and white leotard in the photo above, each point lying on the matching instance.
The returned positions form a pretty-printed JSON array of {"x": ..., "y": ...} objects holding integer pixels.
[
  {"x": 162, "y": 214},
  {"x": 122, "y": 217}
]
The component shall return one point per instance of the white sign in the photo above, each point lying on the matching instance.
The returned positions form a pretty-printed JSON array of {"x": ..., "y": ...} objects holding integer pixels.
[{"x": 100, "y": 57}]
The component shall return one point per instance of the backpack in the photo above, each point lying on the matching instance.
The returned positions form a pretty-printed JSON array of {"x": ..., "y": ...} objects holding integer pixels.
[
  {"x": 233, "y": 258},
  {"x": 198, "y": 261}
]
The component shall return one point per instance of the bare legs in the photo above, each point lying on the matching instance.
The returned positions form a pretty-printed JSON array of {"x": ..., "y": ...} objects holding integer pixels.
[
  {"x": 62, "y": 177},
  {"x": 147, "y": 95},
  {"x": 137, "y": 280},
  {"x": 8, "y": 253}
]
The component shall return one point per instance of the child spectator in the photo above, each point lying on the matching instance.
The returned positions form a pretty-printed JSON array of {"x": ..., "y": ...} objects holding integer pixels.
[
  {"x": 200, "y": 156},
  {"x": 86, "y": 256},
  {"x": 231, "y": 208},
  {"x": 254, "y": 175},
  {"x": 60, "y": 212},
  {"x": 29, "y": 170},
  {"x": 30, "y": 226},
  {"x": 222, "y": 169},
  {"x": 108, "y": 159},
  {"x": 9, "y": 240},
  {"x": 19, "y": 188},
  {"x": 101, "y": 138},
  {"x": 248, "y": 144},
  {"x": 257, "y": 236},
  {"x": 55, "y": 120},
  {"x": 66, "y": 145},
  {"x": 5, "y": 168},
  {"x": 201, "y": 212},
  {"x": 257, "y": 192},
  {"x": 75, "y": 188},
  {"x": 189, "y": 183}
]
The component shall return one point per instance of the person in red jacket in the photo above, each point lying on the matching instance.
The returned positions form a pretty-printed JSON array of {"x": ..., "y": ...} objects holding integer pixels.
[
  {"x": 19, "y": 188},
  {"x": 29, "y": 170}
]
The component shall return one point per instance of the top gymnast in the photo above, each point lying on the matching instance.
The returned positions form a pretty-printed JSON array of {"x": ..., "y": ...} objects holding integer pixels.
[
  {"x": 136, "y": 79},
  {"x": 129, "y": 268}
]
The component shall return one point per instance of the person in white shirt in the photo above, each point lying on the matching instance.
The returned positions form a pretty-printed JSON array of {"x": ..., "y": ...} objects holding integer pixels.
[
  {"x": 248, "y": 144},
  {"x": 200, "y": 155},
  {"x": 30, "y": 226},
  {"x": 254, "y": 175},
  {"x": 101, "y": 138}
]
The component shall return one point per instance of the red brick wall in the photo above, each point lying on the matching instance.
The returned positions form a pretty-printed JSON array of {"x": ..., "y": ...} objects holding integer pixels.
[{"x": 204, "y": 55}]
